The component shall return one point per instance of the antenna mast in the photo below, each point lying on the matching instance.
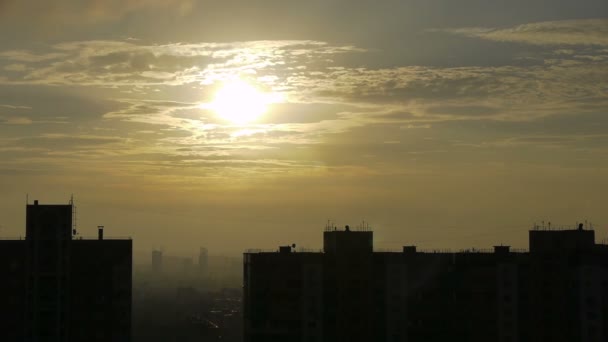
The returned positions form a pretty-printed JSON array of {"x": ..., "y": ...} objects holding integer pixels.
[{"x": 74, "y": 216}]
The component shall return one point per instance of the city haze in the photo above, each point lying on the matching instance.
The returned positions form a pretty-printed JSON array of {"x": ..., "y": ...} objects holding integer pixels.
[{"x": 443, "y": 125}]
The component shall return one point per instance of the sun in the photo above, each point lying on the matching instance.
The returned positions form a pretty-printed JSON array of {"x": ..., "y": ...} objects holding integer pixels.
[{"x": 239, "y": 102}]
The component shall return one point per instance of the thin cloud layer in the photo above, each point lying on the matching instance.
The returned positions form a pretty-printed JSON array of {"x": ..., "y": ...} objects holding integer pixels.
[
  {"x": 139, "y": 79},
  {"x": 85, "y": 12},
  {"x": 307, "y": 73},
  {"x": 564, "y": 32},
  {"x": 115, "y": 63}
]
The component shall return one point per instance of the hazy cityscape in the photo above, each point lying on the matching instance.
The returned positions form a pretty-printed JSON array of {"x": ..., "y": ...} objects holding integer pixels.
[
  {"x": 63, "y": 287},
  {"x": 321, "y": 170},
  {"x": 176, "y": 299}
]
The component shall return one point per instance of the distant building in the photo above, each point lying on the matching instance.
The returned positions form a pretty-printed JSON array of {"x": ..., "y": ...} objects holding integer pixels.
[
  {"x": 203, "y": 261},
  {"x": 58, "y": 288},
  {"x": 157, "y": 261},
  {"x": 558, "y": 291}
]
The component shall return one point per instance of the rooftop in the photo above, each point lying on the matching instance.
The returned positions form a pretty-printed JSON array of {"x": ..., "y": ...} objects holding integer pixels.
[{"x": 9, "y": 238}]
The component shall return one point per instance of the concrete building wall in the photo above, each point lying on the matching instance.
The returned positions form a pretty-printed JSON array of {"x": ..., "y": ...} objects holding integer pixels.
[
  {"x": 312, "y": 301},
  {"x": 507, "y": 301}
]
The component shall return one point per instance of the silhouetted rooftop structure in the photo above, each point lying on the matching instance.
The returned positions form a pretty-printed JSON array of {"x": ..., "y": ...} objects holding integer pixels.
[
  {"x": 547, "y": 241},
  {"x": 557, "y": 291},
  {"x": 59, "y": 287}
]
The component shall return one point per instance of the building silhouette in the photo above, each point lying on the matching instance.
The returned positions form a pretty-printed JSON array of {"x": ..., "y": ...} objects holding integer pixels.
[
  {"x": 57, "y": 287},
  {"x": 556, "y": 291}
]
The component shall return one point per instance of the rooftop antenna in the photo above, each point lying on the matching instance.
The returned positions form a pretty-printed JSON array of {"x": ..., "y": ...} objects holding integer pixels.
[
  {"x": 27, "y": 199},
  {"x": 74, "y": 214}
]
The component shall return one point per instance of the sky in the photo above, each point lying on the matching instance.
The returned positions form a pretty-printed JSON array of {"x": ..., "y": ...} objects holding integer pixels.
[{"x": 441, "y": 123}]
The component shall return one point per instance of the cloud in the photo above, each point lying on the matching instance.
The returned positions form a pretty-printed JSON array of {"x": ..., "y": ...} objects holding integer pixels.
[
  {"x": 78, "y": 140},
  {"x": 193, "y": 127},
  {"x": 137, "y": 105},
  {"x": 43, "y": 103},
  {"x": 27, "y": 56},
  {"x": 115, "y": 63},
  {"x": 14, "y": 107},
  {"x": 579, "y": 143},
  {"x": 431, "y": 93},
  {"x": 88, "y": 11},
  {"x": 338, "y": 96},
  {"x": 307, "y": 74},
  {"x": 563, "y": 32},
  {"x": 16, "y": 67},
  {"x": 15, "y": 120}
]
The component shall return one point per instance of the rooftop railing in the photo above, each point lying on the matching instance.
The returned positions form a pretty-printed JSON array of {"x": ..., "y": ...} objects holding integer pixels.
[
  {"x": 396, "y": 250},
  {"x": 5, "y": 238},
  {"x": 556, "y": 227},
  {"x": 260, "y": 250},
  {"x": 104, "y": 238},
  {"x": 449, "y": 251},
  {"x": 276, "y": 250}
]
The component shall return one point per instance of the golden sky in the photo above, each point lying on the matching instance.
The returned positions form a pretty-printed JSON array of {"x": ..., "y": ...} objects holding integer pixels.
[{"x": 236, "y": 124}]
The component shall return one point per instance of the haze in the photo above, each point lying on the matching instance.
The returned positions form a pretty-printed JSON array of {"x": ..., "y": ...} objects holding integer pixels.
[{"x": 444, "y": 124}]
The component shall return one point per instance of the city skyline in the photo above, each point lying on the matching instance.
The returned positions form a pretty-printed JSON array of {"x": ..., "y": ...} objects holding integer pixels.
[
  {"x": 181, "y": 257},
  {"x": 555, "y": 291},
  {"x": 241, "y": 124}
]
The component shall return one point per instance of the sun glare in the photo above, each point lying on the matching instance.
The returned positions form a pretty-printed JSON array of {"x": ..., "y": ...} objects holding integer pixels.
[{"x": 240, "y": 102}]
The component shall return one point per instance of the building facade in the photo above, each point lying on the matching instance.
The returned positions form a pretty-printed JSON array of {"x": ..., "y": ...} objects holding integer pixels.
[
  {"x": 60, "y": 288},
  {"x": 556, "y": 291}
]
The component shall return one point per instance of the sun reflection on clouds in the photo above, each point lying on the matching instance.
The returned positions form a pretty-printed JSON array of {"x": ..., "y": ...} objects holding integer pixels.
[
  {"x": 241, "y": 102},
  {"x": 247, "y": 132}
]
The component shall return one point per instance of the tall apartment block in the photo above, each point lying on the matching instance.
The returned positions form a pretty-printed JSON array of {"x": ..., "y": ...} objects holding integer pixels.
[
  {"x": 556, "y": 291},
  {"x": 59, "y": 288}
]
